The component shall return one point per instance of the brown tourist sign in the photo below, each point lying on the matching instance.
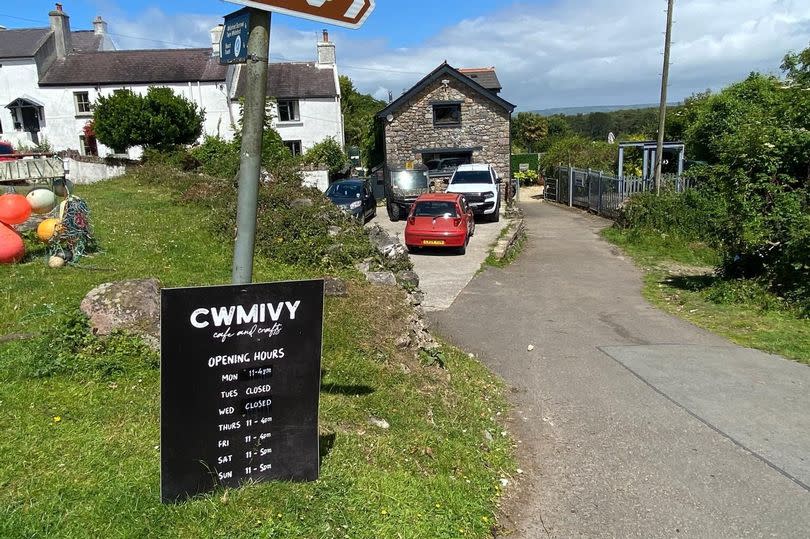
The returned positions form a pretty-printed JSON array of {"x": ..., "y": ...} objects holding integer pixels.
[{"x": 348, "y": 13}]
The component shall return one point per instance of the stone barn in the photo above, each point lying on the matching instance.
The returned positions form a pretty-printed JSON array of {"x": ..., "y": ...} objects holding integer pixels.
[{"x": 451, "y": 117}]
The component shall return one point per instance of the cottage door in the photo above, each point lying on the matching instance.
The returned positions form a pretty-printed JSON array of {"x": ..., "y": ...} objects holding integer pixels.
[{"x": 31, "y": 122}]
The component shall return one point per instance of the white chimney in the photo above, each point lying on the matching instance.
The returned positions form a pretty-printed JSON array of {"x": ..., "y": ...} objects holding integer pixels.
[
  {"x": 327, "y": 56},
  {"x": 216, "y": 39},
  {"x": 99, "y": 26},
  {"x": 60, "y": 25}
]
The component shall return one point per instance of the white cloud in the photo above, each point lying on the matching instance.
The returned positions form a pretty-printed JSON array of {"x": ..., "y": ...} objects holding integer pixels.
[{"x": 574, "y": 52}]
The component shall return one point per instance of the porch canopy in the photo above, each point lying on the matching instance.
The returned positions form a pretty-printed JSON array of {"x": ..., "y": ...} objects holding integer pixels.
[{"x": 25, "y": 101}]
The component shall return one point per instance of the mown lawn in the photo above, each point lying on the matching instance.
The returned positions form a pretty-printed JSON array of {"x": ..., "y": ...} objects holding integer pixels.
[
  {"x": 680, "y": 280},
  {"x": 79, "y": 453}
]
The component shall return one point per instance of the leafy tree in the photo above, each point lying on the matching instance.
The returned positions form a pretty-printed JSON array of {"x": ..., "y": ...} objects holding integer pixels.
[
  {"x": 755, "y": 137},
  {"x": 580, "y": 152},
  {"x": 796, "y": 67},
  {"x": 359, "y": 121},
  {"x": 120, "y": 120},
  {"x": 160, "y": 119},
  {"x": 173, "y": 119},
  {"x": 529, "y": 130}
]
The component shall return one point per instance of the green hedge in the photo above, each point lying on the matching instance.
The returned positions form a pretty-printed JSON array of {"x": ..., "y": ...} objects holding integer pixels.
[{"x": 533, "y": 159}]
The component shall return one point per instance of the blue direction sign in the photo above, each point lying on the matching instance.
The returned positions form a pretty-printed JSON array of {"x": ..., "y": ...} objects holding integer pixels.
[{"x": 233, "y": 46}]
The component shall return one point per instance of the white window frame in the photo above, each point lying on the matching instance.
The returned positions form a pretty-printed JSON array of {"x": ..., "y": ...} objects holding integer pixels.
[
  {"x": 292, "y": 106},
  {"x": 79, "y": 104}
]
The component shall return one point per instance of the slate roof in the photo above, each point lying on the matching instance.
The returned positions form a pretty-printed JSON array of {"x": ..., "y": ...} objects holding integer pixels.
[
  {"x": 25, "y": 42},
  {"x": 299, "y": 80},
  {"x": 135, "y": 67},
  {"x": 485, "y": 76},
  {"x": 86, "y": 41},
  {"x": 445, "y": 70}
]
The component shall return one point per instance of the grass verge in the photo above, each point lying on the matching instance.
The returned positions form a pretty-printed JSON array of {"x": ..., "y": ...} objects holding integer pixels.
[
  {"x": 680, "y": 279},
  {"x": 511, "y": 253},
  {"x": 79, "y": 453}
]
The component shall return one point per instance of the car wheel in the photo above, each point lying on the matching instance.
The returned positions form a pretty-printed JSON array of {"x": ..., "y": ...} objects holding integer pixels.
[
  {"x": 495, "y": 217},
  {"x": 393, "y": 213},
  {"x": 412, "y": 249},
  {"x": 463, "y": 249}
]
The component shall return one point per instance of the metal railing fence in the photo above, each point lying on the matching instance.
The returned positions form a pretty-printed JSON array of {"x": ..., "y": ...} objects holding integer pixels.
[{"x": 602, "y": 193}]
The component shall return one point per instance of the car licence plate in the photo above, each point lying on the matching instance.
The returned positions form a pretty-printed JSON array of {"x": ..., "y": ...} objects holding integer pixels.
[{"x": 432, "y": 242}]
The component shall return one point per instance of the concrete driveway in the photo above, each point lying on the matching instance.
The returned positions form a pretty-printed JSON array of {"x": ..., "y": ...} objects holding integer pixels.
[{"x": 443, "y": 275}]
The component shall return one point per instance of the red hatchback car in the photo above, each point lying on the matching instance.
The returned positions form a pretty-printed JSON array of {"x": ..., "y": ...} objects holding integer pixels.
[{"x": 440, "y": 220}]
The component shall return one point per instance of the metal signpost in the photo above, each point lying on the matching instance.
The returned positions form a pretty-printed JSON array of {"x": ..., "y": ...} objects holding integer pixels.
[
  {"x": 240, "y": 364},
  {"x": 348, "y": 13}
]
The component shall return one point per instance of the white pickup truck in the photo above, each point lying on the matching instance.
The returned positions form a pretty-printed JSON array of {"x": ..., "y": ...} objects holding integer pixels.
[{"x": 481, "y": 186}]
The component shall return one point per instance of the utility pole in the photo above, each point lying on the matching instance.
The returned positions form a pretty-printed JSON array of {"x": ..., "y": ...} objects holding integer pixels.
[
  {"x": 662, "y": 111},
  {"x": 258, "y": 50}
]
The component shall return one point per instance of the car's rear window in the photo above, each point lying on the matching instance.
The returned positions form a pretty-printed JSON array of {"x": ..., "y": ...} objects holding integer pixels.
[{"x": 435, "y": 208}]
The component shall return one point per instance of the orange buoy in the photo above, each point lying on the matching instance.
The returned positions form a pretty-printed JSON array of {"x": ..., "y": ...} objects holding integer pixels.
[
  {"x": 14, "y": 209},
  {"x": 47, "y": 229},
  {"x": 12, "y": 248}
]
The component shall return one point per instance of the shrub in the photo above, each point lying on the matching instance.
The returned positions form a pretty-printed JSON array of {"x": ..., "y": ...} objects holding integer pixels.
[
  {"x": 327, "y": 154},
  {"x": 579, "y": 152},
  {"x": 688, "y": 215},
  {"x": 529, "y": 177},
  {"x": 298, "y": 226},
  {"x": 177, "y": 157},
  {"x": 218, "y": 157}
]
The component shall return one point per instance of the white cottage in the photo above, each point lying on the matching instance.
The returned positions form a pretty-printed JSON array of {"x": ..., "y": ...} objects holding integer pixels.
[{"x": 50, "y": 78}]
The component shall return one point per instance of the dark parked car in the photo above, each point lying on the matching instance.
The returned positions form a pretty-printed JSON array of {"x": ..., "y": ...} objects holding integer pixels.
[
  {"x": 355, "y": 197},
  {"x": 402, "y": 187}
]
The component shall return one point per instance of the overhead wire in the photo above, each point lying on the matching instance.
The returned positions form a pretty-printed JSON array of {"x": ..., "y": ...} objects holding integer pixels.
[{"x": 190, "y": 45}]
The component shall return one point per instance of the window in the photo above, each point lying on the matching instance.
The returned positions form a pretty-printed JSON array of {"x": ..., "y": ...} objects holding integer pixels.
[
  {"x": 294, "y": 146},
  {"x": 447, "y": 115},
  {"x": 435, "y": 208},
  {"x": 88, "y": 145},
  {"x": 82, "y": 101},
  {"x": 288, "y": 111}
]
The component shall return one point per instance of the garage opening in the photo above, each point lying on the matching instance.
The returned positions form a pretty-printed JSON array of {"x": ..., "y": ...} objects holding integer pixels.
[{"x": 446, "y": 161}]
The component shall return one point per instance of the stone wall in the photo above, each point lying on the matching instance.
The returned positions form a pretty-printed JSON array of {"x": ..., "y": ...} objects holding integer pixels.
[
  {"x": 81, "y": 172},
  {"x": 484, "y": 125}
]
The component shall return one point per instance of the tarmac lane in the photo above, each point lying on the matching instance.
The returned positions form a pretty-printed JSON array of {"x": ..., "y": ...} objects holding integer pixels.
[{"x": 630, "y": 422}]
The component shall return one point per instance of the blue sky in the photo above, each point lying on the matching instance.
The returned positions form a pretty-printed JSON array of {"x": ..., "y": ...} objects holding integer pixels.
[
  {"x": 403, "y": 27},
  {"x": 548, "y": 53}
]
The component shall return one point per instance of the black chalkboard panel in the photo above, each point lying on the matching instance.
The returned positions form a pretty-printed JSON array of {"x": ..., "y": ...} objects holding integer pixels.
[{"x": 240, "y": 379}]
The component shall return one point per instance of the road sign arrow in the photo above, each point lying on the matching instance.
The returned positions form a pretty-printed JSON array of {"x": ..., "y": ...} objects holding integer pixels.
[{"x": 348, "y": 13}]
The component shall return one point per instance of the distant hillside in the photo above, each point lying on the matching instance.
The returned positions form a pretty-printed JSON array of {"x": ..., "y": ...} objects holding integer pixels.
[{"x": 573, "y": 111}]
